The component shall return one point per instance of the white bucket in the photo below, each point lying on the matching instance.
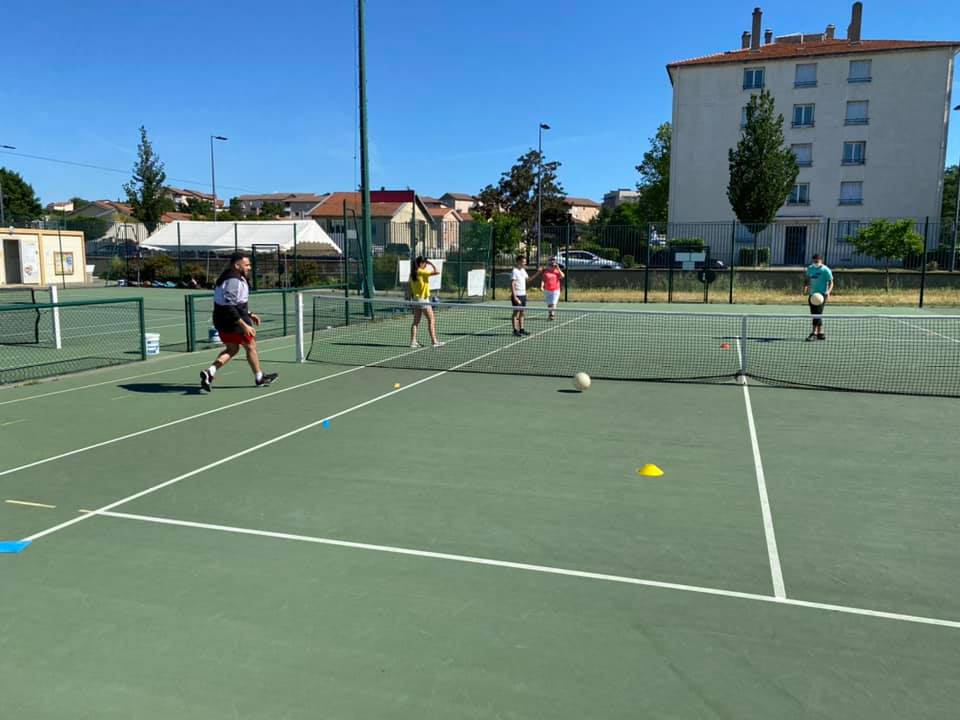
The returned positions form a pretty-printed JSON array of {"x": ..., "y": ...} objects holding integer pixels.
[
  {"x": 213, "y": 336},
  {"x": 153, "y": 343}
]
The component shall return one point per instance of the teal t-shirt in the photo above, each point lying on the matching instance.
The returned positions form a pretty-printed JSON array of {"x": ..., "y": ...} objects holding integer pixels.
[{"x": 819, "y": 278}]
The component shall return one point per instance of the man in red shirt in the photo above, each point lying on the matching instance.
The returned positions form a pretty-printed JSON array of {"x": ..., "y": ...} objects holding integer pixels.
[{"x": 552, "y": 276}]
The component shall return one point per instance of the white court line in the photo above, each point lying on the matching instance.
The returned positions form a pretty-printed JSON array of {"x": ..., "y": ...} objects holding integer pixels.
[
  {"x": 260, "y": 349},
  {"x": 776, "y": 573},
  {"x": 295, "y": 431},
  {"x": 546, "y": 569},
  {"x": 929, "y": 332}
]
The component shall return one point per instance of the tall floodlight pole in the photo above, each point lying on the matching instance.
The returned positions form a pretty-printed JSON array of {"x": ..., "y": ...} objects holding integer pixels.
[
  {"x": 543, "y": 126},
  {"x": 3, "y": 217},
  {"x": 366, "y": 227},
  {"x": 213, "y": 174},
  {"x": 956, "y": 217}
]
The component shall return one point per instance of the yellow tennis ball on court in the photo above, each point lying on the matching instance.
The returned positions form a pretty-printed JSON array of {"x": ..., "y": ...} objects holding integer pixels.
[
  {"x": 396, "y": 386},
  {"x": 581, "y": 381}
]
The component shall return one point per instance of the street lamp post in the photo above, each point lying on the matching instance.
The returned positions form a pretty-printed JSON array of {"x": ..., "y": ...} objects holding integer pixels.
[
  {"x": 213, "y": 174},
  {"x": 3, "y": 217},
  {"x": 543, "y": 126},
  {"x": 956, "y": 217}
]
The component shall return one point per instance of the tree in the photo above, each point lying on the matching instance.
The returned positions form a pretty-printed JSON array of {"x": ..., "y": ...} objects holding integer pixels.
[
  {"x": 515, "y": 196},
  {"x": 949, "y": 204},
  {"x": 886, "y": 240},
  {"x": 20, "y": 202},
  {"x": 271, "y": 210},
  {"x": 145, "y": 191},
  {"x": 234, "y": 210},
  {"x": 654, "y": 185},
  {"x": 762, "y": 170},
  {"x": 93, "y": 228},
  {"x": 199, "y": 209}
]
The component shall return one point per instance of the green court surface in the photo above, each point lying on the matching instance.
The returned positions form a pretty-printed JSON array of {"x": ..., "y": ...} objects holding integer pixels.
[{"x": 473, "y": 546}]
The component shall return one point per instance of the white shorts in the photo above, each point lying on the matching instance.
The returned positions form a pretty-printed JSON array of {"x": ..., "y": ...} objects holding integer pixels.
[
  {"x": 422, "y": 302},
  {"x": 551, "y": 296}
]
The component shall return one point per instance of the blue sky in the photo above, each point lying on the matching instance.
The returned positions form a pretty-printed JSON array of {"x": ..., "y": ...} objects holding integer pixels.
[{"x": 456, "y": 90}]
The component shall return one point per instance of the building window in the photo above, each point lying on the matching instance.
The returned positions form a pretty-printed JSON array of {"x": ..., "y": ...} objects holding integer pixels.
[
  {"x": 800, "y": 195},
  {"x": 803, "y": 115},
  {"x": 857, "y": 112},
  {"x": 860, "y": 71},
  {"x": 753, "y": 78},
  {"x": 804, "y": 153},
  {"x": 851, "y": 193},
  {"x": 805, "y": 75},
  {"x": 847, "y": 230},
  {"x": 854, "y": 153},
  {"x": 743, "y": 116}
]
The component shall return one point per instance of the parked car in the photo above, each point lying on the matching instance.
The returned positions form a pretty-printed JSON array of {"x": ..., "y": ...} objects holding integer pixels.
[
  {"x": 660, "y": 260},
  {"x": 583, "y": 260}
]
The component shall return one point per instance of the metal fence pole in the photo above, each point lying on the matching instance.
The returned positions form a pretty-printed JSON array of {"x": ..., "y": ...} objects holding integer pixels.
[
  {"x": 923, "y": 259},
  {"x": 646, "y": 264},
  {"x": 733, "y": 256},
  {"x": 826, "y": 247}
]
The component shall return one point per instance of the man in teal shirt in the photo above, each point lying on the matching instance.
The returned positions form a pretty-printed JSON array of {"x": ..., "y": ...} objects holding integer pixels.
[{"x": 817, "y": 279}]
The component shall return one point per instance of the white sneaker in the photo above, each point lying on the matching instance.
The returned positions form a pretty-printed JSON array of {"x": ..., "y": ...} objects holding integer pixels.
[
  {"x": 415, "y": 344},
  {"x": 439, "y": 343}
]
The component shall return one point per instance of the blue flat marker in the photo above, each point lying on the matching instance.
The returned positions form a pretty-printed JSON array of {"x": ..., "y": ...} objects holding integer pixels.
[
  {"x": 325, "y": 424},
  {"x": 14, "y": 546}
]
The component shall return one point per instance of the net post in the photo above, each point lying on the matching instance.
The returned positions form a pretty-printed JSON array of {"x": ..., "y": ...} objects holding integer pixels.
[
  {"x": 55, "y": 300},
  {"x": 188, "y": 321},
  {"x": 143, "y": 328},
  {"x": 301, "y": 356},
  {"x": 743, "y": 346}
]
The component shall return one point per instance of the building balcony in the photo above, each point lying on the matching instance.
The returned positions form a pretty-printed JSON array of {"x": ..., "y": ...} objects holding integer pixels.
[
  {"x": 859, "y": 79},
  {"x": 856, "y": 121},
  {"x": 796, "y": 125},
  {"x": 804, "y": 83},
  {"x": 851, "y": 201}
]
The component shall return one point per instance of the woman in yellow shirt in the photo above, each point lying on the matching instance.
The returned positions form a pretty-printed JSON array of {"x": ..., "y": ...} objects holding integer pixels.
[{"x": 420, "y": 295}]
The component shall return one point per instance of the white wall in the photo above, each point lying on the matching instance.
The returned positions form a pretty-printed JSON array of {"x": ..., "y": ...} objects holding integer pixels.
[{"x": 906, "y": 135}]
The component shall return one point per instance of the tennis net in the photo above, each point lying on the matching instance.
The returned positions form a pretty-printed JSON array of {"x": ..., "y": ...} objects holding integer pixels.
[
  {"x": 70, "y": 337},
  {"x": 916, "y": 355},
  {"x": 21, "y": 325}
]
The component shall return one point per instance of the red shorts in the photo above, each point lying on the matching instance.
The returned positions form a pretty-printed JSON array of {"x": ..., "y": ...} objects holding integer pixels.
[{"x": 232, "y": 338}]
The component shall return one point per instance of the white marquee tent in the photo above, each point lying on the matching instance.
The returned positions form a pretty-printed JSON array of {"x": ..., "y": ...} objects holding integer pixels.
[{"x": 195, "y": 235}]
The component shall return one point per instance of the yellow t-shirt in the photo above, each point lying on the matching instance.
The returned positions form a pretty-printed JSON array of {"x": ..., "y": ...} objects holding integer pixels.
[{"x": 420, "y": 285}]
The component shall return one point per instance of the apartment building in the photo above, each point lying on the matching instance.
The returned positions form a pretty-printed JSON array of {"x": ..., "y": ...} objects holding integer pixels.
[{"x": 867, "y": 120}]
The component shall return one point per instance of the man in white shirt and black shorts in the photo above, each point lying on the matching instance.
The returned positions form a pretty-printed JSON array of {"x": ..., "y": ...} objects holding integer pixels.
[{"x": 518, "y": 293}]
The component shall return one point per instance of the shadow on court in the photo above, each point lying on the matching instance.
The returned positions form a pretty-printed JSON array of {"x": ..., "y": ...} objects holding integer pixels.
[{"x": 167, "y": 388}]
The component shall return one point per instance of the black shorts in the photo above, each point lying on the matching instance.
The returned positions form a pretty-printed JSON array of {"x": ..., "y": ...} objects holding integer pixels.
[
  {"x": 817, "y": 309},
  {"x": 519, "y": 301}
]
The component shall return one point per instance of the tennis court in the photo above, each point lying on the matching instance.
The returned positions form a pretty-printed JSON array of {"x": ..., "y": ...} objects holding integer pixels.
[{"x": 480, "y": 544}]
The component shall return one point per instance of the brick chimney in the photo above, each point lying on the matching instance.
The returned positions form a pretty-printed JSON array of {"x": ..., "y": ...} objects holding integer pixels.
[
  {"x": 831, "y": 29},
  {"x": 755, "y": 34},
  {"x": 768, "y": 37},
  {"x": 856, "y": 19},
  {"x": 745, "y": 40}
]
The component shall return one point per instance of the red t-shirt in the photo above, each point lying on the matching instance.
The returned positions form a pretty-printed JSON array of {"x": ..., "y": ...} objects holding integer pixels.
[{"x": 551, "y": 279}]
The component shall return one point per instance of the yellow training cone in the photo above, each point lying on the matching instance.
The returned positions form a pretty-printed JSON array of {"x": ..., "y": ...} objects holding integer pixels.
[{"x": 650, "y": 470}]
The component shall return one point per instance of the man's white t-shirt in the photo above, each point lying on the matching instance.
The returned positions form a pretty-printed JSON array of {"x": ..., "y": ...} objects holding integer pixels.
[{"x": 519, "y": 280}]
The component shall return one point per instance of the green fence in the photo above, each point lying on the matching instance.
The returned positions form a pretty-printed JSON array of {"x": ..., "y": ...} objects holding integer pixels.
[
  {"x": 44, "y": 339},
  {"x": 275, "y": 308}
]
